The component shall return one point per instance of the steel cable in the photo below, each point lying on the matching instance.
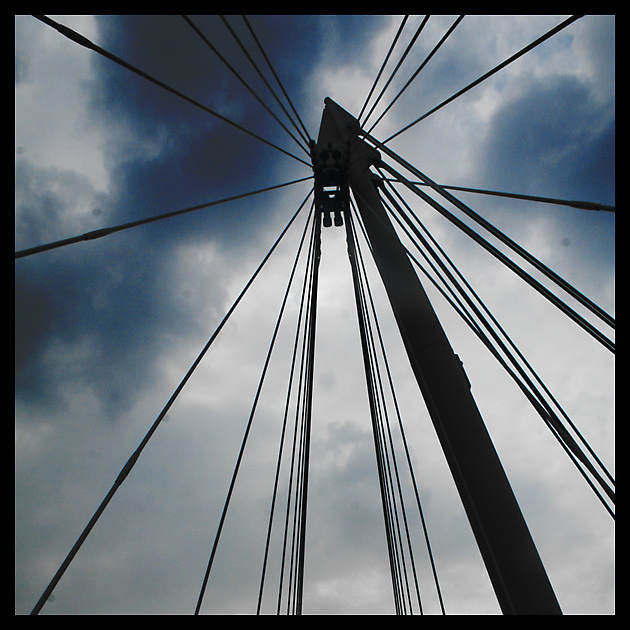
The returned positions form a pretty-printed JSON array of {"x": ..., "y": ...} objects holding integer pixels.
[
  {"x": 249, "y": 425},
  {"x": 534, "y": 395},
  {"x": 83, "y": 41},
  {"x": 417, "y": 72},
  {"x": 488, "y": 74}
]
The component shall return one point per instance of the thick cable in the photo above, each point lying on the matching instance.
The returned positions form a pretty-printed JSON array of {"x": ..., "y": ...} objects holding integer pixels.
[
  {"x": 578, "y": 319},
  {"x": 522, "y": 379},
  {"x": 83, "y": 41},
  {"x": 427, "y": 247},
  {"x": 95, "y": 234},
  {"x": 515, "y": 247},
  {"x": 541, "y": 406},
  {"x": 488, "y": 74},
  {"x": 249, "y": 424},
  {"x": 135, "y": 456}
]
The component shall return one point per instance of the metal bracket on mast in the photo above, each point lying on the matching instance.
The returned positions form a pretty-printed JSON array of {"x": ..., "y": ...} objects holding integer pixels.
[
  {"x": 508, "y": 551},
  {"x": 330, "y": 167}
]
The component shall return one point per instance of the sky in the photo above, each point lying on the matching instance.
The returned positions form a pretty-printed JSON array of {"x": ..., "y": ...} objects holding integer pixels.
[{"x": 106, "y": 329}]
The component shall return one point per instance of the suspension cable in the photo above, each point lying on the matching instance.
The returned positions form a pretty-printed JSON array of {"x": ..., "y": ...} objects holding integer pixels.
[
  {"x": 308, "y": 407},
  {"x": 578, "y": 319},
  {"x": 237, "y": 39},
  {"x": 135, "y": 456},
  {"x": 523, "y": 381},
  {"x": 581, "y": 205},
  {"x": 277, "y": 78},
  {"x": 400, "y": 426},
  {"x": 563, "y": 284},
  {"x": 249, "y": 423},
  {"x": 262, "y": 76},
  {"x": 387, "y": 56},
  {"x": 417, "y": 72},
  {"x": 389, "y": 474},
  {"x": 488, "y": 74},
  {"x": 239, "y": 77},
  {"x": 574, "y": 203},
  {"x": 95, "y": 234},
  {"x": 369, "y": 376},
  {"x": 402, "y": 58},
  {"x": 83, "y": 41},
  {"x": 300, "y": 321}
]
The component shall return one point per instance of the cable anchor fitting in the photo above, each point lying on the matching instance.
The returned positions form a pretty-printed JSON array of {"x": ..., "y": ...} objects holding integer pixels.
[{"x": 330, "y": 166}]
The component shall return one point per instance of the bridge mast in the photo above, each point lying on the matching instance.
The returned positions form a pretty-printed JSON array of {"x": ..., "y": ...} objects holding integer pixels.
[{"x": 515, "y": 569}]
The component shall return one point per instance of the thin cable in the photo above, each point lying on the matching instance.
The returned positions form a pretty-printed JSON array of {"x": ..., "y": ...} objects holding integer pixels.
[
  {"x": 262, "y": 76},
  {"x": 581, "y": 205},
  {"x": 496, "y": 69},
  {"x": 404, "y": 55},
  {"x": 400, "y": 425},
  {"x": 308, "y": 411},
  {"x": 237, "y": 39},
  {"x": 134, "y": 458},
  {"x": 389, "y": 455},
  {"x": 417, "y": 72},
  {"x": 95, "y": 234},
  {"x": 305, "y": 138},
  {"x": 283, "y": 433},
  {"x": 386, "y": 461},
  {"x": 249, "y": 424},
  {"x": 387, "y": 56},
  {"x": 306, "y": 296},
  {"x": 239, "y": 77},
  {"x": 83, "y": 41},
  {"x": 277, "y": 78}
]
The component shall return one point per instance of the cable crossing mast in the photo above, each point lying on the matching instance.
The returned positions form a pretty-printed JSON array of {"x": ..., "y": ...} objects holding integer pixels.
[{"x": 341, "y": 162}]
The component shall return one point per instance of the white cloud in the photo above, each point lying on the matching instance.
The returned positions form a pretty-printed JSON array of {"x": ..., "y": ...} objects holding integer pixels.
[{"x": 53, "y": 127}]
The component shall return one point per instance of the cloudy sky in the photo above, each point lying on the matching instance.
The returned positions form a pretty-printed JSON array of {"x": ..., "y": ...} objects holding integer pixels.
[{"x": 106, "y": 329}]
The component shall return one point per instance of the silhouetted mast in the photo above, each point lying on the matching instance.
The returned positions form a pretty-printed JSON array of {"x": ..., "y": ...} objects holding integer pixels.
[{"x": 519, "y": 579}]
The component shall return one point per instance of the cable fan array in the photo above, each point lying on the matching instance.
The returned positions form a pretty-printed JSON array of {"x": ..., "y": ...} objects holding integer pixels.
[
  {"x": 389, "y": 437},
  {"x": 453, "y": 286},
  {"x": 399, "y": 541}
]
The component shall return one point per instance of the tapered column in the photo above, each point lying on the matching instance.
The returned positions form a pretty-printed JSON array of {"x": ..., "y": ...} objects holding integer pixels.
[{"x": 511, "y": 558}]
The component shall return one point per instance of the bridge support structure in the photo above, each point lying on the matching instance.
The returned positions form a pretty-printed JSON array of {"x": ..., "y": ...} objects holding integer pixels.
[{"x": 512, "y": 561}]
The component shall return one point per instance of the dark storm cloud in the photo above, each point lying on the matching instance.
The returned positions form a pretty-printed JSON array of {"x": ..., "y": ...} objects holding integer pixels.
[
  {"x": 163, "y": 154},
  {"x": 111, "y": 298},
  {"x": 176, "y": 154},
  {"x": 553, "y": 137}
]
